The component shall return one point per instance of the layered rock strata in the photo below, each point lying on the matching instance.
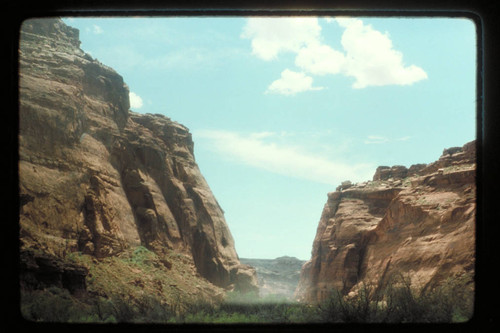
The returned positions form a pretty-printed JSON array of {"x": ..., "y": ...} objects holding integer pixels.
[
  {"x": 96, "y": 178},
  {"x": 418, "y": 222}
]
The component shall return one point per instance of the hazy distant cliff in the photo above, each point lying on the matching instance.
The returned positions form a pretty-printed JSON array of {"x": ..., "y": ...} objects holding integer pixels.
[
  {"x": 278, "y": 277},
  {"x": 418, "y": 221},
  {"x": 96, "y": 178}
]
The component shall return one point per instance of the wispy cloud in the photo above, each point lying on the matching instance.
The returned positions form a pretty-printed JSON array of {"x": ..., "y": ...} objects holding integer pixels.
[
  {"x": 183, "y": 58},
  {"x": 368, "y": 55},
  {"x": 378, "y": 139},
  {"x": 97, "y": 29},
  {"x": 280, "y": 158}
]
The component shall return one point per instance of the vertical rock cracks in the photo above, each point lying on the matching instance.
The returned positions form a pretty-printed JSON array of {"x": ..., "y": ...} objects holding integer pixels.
[
  {"x": 100, "y": 235},
  {"x": 340, "y": 245},
  {"x": 417, "y": 221},
  {"x": 98, "y": 178}
]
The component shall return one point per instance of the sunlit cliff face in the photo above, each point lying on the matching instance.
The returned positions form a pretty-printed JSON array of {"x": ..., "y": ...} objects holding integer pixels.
[
  {"x": 419, "y": 223},
  {"x": 99, "y": 179}
]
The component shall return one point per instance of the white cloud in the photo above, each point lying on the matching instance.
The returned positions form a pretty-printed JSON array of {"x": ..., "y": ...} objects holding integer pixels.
[
  {"x": 368, "y": 55},
  {"x": 135, "y": 100},
  {"x": 97, "y": 29},
  {"x": 288, "y": 160},
  {"x": 320, "y": 59},
  {"x": 271, "y": 36},
  {"x": 371, "y": 59},
  {"x": 291, "y": 83}
]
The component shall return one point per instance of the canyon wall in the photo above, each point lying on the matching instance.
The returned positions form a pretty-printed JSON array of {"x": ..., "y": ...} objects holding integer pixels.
[
  {"x": 96, "y": 178},
  {"x": 417, "y": 221}
]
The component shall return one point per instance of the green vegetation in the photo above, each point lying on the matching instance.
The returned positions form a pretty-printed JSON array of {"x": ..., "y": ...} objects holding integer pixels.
[
  {"x": 400, "y": 302},
  {"x": 250, "y": 308},
  {"x": 138, "y": 271},
  {"x": 57, "y": 305},
  {"x": 397, "y": 302}
]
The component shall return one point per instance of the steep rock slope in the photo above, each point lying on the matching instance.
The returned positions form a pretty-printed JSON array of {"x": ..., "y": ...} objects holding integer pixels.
[
  {"x": 416, "y": 221},
  {"x": 98, "y": 179}
]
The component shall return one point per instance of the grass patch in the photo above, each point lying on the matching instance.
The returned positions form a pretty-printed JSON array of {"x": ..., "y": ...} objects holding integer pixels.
[{"x": 136, "y": 288}]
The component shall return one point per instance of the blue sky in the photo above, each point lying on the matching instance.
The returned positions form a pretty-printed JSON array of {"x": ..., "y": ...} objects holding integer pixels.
[{"x": 282, "y": 110}]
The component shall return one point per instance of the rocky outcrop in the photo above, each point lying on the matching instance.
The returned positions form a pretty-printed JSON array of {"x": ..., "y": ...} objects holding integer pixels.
[
  {"x": 386, "y": 173},
  {"x": 418, "y": 223},
  {"x": 96, "y": 178},
  {"x": 40, "y": 270}
]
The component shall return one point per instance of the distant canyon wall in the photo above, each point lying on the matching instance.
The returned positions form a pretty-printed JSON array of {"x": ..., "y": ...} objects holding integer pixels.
[
  {"x": 276, "y": 277},
  {"x": 97, "y": 178},
  {"x": 417, "y": 221}
]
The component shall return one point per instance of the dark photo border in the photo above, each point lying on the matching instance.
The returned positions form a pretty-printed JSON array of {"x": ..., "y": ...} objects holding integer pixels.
[{"x": 484, "y": 13}]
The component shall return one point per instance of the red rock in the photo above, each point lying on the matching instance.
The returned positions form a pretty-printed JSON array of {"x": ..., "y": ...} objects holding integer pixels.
[
  {"x": 424, "y": 228},
  {"x": 98, "y": 178}
]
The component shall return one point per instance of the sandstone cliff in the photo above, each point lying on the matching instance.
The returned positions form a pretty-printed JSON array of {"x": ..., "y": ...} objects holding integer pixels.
[
  {"x": 98, "y": 179},
  {"x": 417, "y": 221}
]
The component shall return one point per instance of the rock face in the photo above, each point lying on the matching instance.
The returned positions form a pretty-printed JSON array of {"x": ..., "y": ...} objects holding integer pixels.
[
  {"x": 278, "y": 277},
  {"x": 39, "y": 271},
  {"x": 417, "y": 221},
  {"x": 98, "y": 178}
]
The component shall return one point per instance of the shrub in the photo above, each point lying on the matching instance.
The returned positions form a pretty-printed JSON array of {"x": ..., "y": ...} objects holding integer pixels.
[
  {"x": 397, "y": 302},
  {"x": 57, "y": 305},
  {"x": 52, "y": 305},
  {"x": 141, "y": 255},
  {"x": 147, "y": 309},
  {"x": 400, "y": 302}
]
